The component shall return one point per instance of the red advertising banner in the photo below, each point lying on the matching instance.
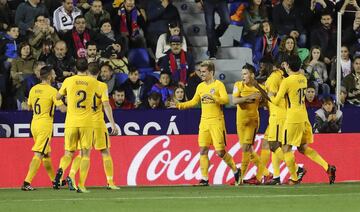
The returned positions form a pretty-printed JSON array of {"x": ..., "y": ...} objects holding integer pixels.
[{"x": 174, "y": 160}]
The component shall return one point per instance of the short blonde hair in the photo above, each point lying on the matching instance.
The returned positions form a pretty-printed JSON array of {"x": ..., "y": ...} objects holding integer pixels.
[{"x": 209, "y": 65}]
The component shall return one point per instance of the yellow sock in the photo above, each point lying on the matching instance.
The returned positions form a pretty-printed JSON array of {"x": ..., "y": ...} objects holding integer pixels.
[
  {"x": 290, "y": 163},
  {"x": 109, "y": 169},
  {"x": 33, "y": 168},
  {"x": 65, "y": 162},
  {"x": 264, "y": 159},
  {"x": 279, "y": 154},
  {"x": 49, "y": 168},
  {"x": 228, "y": 159},
  {"x": 245, "y": 163},
  {"x": 84, "y": 170},
  {"x": 75, "y": 167},
  {"x": 314, "y": 156},
  {"x": 276, "y": 165},
  {"x": 256, "y": 160},
  {"x": 204, "y": 166}
]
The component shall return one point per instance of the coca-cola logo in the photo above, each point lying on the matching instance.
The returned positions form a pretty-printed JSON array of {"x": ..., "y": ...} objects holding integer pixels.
[{"x": 160, "y": 161}]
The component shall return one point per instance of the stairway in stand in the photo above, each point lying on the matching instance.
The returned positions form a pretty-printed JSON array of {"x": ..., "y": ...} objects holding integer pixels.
[{"x": 229, "y": 59}]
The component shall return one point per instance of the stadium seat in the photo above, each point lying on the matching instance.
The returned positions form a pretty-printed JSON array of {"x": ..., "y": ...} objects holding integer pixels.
[
  {"x": 196, "y": 18},
  {"x": 121, "y": 77},
  {"x": 240, "y": 53},
  {"x": 187, "y": 7},
  {"x": 145, "y": 71},
  {"x": 139, "y": 58},
  {"x": 194, "y": 29},
  {"x": 198, "y": 41}
]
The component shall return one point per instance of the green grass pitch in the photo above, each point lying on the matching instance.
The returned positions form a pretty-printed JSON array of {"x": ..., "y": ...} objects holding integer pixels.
[{"x": 341, "y": 197}]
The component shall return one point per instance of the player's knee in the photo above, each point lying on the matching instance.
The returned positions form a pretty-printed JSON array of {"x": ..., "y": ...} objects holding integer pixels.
[
  {"x": 85, "y": 153},
  {"x": 68, "y": 153},
  {"x": 287, "y": 148},
  {"x": 220, "y": 153},
  {"x": 105, "y": 152},
  {"x": 265, "y": 145},
  {"x": 301, "y": 149},
  {"x": 204, "y": 151},
  {"x": 274, "y": 146},
  {"x": 39, "y": 155},
  {"x": 246, "y": 147}
]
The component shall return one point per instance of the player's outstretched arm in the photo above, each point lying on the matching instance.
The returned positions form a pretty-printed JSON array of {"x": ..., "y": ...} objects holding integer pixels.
[
  {"x": 189, "y": 104},
  {"x": 109, "y": 115}
]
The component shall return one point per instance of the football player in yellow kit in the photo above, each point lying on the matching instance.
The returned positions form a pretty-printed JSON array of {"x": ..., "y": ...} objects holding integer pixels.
[
  {"x": 101, "y": 140},
  {"x": 42, "y": 101},
  {"x": 212, "y": 95},
  {"x": 297, "y": 128},
  {"x": 79, "y": 127},
  {"x": 246, "y": 95}
]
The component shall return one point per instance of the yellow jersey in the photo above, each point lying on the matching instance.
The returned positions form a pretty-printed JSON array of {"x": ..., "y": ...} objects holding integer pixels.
[
  {"x": 98, "y": 116},
  {"x": 42, "y": 100},
  {"x": 247, "y": 110},
  {"x": 293, "y": 90},
  {"x": 209, "y": 108},
  {"x": 272, "y": 85},
  {"x": 80, "y": 90}
]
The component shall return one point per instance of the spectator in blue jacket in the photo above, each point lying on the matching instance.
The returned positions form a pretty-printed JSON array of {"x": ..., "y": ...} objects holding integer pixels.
[
  {"x": 9, "y": 44},
  {"x": 164, "y": 87},
  {"x": 267, "y": 45}
]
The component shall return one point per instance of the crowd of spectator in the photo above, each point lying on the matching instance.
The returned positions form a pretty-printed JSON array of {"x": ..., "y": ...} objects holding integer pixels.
[
  {"x": 277, "y": 29},
  {"x": 36, "y": 33}
]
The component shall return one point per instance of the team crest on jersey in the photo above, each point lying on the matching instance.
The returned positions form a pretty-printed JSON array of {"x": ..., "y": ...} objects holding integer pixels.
[
  {"x": 235, "y": 90},
  {"x": 212, "y": 91}
]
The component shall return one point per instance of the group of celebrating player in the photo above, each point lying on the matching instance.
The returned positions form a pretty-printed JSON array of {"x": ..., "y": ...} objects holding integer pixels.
[
  {"x": 289, "y": 126},
  {"x": 87, "y": 100}
]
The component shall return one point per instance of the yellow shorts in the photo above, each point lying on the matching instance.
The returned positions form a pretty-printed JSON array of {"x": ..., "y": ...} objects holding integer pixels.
[
  {"x": 212, "y": 133},
  {"x": 296, "y": 134},
  {"x": 101, "y": 139},
  {"x": 247, "y": 131},
  {"x": 275, "y": 128},
  {"x": 78, "y": 137},
  {"x": 42, "y": 137}
]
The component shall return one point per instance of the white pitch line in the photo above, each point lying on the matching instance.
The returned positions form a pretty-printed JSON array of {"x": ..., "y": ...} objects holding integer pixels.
[{"x": 183, "y": 197}]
